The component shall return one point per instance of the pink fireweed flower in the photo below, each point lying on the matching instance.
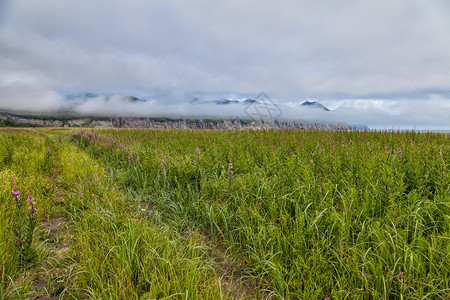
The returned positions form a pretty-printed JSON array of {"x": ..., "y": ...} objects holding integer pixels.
[
  {"x": 230, "y": 169},
  {"x": 81, "y": 194},
  {"x": 198, "y": 152},
  {"x": 31, "y": 203},
  {"x": 14, "y": 189},
  {"x": 111, "y": 172},
  {"x": 95, "y": 176},
  {"x": 15, "y": 192},
  {"x": 137, "y": 159},
  {"x": 164, "y": 169},
  {"x": 130, "y": 157}
]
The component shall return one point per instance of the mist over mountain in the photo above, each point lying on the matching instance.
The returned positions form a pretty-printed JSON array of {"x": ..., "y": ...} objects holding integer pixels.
[
  {"x": 314, "y": 104},
  {"x": 427, "y": 114}
]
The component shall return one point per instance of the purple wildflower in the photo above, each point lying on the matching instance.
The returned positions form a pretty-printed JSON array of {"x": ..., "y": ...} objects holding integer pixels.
[
  {"x": 230, "y": 169},
  {"x": 15, "y": 193},
  {"x": 31, "y": 203},
  {"x": 164, "y": 169}
]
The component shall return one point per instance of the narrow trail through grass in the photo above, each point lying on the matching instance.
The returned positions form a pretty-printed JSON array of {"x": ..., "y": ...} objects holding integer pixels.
[
  {"x": 195, "y": 214},
  {"x": 96, "y": 241}
]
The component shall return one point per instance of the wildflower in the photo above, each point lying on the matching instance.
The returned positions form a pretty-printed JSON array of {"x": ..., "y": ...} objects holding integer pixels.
[
  {"x": 111, "y": 172},
  {"x": 95, "y": 176},
  {"x": 15, "y": 193},
  {"x": 198, "y": 152},
  {"x": 14, "y": 188},
  {"x": 230, "y": 169},
  {"x": 81, "y": 194},
  {"x": 137, "y": 159},
  {"x": 164, "y": 168},
  {"x": 130, "y": 157},
  {"x": 31, "y": 203}
]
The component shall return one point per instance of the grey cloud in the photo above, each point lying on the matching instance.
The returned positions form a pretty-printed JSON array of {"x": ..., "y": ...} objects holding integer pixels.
[
  {"x": 290, "y": 49},
  {"x": 21, "y": 94}
]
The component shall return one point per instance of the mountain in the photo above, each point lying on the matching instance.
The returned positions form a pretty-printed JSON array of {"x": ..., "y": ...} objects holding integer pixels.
[
  {"x": 134, "y": 99},
  {"x": 248, "y": 101},
  {"x": 314, "y": 104},
  {"x": 225, "y": 101}
]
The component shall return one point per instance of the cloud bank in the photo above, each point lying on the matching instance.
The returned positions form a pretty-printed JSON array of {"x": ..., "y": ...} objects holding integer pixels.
[{"x": 384, "y": 62}]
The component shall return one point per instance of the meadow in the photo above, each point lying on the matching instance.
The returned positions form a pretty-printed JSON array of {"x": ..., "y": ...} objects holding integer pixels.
[{"x": 224, "y": 214}]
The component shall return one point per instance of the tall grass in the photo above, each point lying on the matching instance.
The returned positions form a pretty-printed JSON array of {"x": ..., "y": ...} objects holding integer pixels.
[
  {"x": 316, "y": 214},
  {"x": 25, "y": 197},
  {"x": 106, "y": 247},
  {"x": 310, "y": 214}
]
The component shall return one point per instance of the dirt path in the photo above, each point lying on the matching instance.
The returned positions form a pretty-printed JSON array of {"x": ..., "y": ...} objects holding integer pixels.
[
  {"x": 53, "y": 277},
  {"x": 236, "y": 282}
]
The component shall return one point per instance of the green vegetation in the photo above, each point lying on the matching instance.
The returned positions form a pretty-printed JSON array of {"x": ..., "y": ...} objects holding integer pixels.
[
  {"x": 64, "y": 120},
  {"x": 92, "y": 240},
  {"x": 230, "y": 214},
  {"x": 8, "y": 122}
]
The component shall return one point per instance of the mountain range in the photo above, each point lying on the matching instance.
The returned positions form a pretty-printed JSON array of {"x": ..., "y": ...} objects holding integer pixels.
[
  {"x": 195, "y": 100},
  {"x": 309, "y": 104}
]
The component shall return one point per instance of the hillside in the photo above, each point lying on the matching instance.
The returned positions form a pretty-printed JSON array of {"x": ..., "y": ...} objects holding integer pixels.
[{"x": 16, "y": 120}]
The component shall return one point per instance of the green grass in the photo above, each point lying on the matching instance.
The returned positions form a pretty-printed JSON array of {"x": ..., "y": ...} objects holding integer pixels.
[
  {"x": 109, "y": 249},
  {"x": 301, "y": 214}
]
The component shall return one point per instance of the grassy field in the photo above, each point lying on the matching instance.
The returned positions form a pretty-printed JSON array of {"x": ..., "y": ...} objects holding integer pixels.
[{"x": 197, "y": 214}]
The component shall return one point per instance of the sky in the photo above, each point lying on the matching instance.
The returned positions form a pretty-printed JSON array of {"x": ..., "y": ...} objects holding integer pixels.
[{"x": 385, "y": 64}]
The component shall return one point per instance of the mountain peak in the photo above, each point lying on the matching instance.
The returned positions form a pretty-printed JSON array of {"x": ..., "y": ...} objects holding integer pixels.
[{"x": 314, "y": 104}]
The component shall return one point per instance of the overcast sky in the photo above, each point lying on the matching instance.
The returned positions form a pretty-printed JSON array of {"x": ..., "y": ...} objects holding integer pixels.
[{"x": 383, "y": 63}]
